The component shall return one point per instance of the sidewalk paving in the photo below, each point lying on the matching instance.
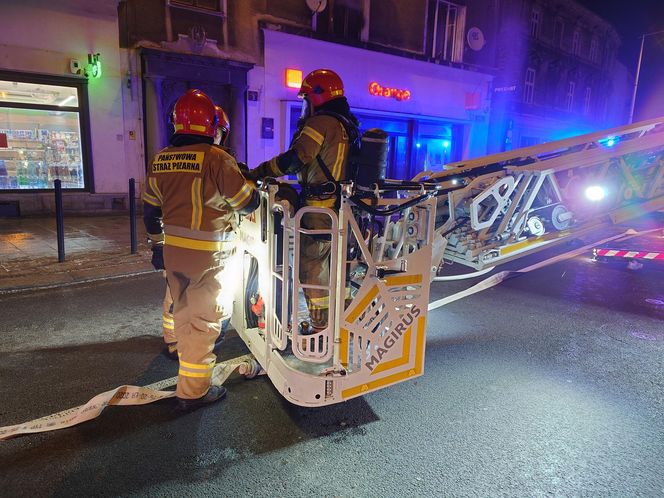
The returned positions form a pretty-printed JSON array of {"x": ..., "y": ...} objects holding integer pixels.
[{"x": 95, "y": 248}]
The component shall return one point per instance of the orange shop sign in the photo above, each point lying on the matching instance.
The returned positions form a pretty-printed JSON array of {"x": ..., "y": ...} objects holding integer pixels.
[{"x": 378, "y": 90}]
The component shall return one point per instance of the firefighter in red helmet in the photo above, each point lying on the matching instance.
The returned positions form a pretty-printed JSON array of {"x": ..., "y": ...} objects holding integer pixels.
[
  {"x": 192, "y": 192},
  {"x": 168, "y": 327},
  {"x": 318, "y": 154},
  {"x": 223, "y": 127}
]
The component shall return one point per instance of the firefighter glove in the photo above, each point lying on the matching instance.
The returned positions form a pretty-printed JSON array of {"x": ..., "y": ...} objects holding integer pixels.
[
  {"x": 252, "y": 174},
  {"x": 158, "y": 257},
  {"x": 263, "y": 170},
  {"x": 244, "y": 169}
]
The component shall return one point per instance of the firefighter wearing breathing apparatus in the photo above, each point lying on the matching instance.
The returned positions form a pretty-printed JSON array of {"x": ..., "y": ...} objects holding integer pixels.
[
  {"x": 192, "y": 192},
  {"x": 168, "y": 325},
  {"x": 318, "y": 154}
]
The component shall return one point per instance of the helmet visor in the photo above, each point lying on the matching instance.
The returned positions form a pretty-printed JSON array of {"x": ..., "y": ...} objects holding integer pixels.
[{"x": 307, "y": 109}]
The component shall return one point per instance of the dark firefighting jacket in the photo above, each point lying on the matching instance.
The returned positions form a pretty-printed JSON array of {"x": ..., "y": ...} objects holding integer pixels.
[
  {"x": 321, "y": 137},
  {"x": 193, "y": 191}
]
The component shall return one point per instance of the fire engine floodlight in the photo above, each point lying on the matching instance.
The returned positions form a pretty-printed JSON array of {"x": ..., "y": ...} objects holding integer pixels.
[{"x": 595, "y": 193}]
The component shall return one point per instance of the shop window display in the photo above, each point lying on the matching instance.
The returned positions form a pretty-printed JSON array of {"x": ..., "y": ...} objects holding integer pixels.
[{"x": 41, "y": 139}]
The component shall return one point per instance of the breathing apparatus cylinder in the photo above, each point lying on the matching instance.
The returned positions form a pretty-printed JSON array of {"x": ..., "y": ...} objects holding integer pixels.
[{"x": 372, "y": 161}]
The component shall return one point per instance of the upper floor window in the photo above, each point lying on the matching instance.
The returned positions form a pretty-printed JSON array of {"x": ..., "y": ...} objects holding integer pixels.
[
  {"x": 529, "y": 86},
  {"x": 346, "y": 21},
  {"x": 594, "y": 49},
  {"x": 586, "y": 100},
  {"x": 448, "y": 27},
  {"x": 207, "y": 5},
  {"x": 569, "y": 97},
  {"x": 576, "y": 42},
  {"x": 558, "y": 32},
  {"x": 535, "y": 19}
]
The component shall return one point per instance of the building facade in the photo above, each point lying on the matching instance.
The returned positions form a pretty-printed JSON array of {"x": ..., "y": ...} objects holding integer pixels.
[
  {"x": 557, "y": 74},
  {"x": 447, "y": 81},
  {"x": 407, "y": 69},
  {"x": 69, "y": 108}
]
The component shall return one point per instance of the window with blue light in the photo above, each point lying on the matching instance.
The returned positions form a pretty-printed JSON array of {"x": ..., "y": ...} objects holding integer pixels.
[{"x": 415, "y": 145}]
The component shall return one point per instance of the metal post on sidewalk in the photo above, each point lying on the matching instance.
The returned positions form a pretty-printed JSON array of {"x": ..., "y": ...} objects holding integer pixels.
[
  {"x": 59, "y": 220},
  {"x": 132, "y": 214},
  {"x": 638, "y": 73}
]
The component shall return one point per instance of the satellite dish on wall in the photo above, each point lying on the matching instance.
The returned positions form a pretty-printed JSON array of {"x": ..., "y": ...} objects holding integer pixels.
[
  {"x": 316, "y": 6},
  {"x": 475, "y": 38}
]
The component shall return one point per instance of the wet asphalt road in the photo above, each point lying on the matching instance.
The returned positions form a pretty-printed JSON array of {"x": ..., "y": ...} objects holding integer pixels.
[{"x": 550, "y": 384}]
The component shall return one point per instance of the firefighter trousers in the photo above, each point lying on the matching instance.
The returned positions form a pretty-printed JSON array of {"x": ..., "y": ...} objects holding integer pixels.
[
  {"x": 315, "y": 269},
  {"x": 191, "y": 276},
  {"x": 168, "y": 326}
]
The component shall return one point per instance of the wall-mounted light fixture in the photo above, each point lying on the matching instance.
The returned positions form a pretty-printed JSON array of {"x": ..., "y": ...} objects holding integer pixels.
[
  {"x": 93, "y": 69},
  {"x": 293, "y": 78}
]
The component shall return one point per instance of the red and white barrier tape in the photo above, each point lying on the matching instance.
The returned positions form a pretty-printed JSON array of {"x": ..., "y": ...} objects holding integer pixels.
[{"x": 618, "y": 253}]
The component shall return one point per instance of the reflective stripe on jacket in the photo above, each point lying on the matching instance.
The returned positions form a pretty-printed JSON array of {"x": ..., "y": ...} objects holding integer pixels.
[
  {"x": 324, "y": 136},
  {"x": 198, "y": 188}
]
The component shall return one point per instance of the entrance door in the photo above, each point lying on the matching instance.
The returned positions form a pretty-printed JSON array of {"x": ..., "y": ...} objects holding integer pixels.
[
  {"x": 174, "y": 89},
  {"x": 166, "y": 76}
]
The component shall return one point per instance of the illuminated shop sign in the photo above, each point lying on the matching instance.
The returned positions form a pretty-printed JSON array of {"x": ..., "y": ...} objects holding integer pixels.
[
  {"x": 378, "y": 90},
  {"x": 293, "y": 78}
]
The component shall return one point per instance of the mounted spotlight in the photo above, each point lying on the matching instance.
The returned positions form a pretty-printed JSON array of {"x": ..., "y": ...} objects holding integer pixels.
[{"x": 595, "y": 193}]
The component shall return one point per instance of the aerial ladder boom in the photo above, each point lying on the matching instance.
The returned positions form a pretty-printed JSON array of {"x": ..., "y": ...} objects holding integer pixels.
[
  {"x": 386, "y": 242},
  {"x": 504, "y": 206}
]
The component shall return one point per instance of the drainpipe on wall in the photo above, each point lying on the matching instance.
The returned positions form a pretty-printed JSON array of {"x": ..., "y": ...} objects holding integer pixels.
[
  {"x": 366, "y": 16},
  {"x": 168, "y": 25},
  {"x": 224, "y": 20},
  {"x": 330, "y": 17}
]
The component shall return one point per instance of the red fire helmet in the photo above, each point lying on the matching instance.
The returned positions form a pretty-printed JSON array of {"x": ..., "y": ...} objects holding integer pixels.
[
  {"x": 194, "y": 114},
  {"x": 222, "y": 123},
  {"x": 321, "y": 86}
]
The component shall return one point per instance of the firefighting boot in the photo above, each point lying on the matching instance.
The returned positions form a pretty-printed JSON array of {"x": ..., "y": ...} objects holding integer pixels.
[
  {"x": 305, "y": 328},
  {"x": 215, "y": 393}
]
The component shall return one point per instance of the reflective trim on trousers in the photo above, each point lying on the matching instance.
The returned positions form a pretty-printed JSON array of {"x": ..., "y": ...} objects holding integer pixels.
[
  {"x": 168, "y": 323},
  {"x": 196, "y": 370}
]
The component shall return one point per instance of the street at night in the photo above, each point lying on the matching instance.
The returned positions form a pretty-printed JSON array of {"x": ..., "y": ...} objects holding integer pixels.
[
  {"x": 548, "y": 384},
  {"x": 332, "y": 248}
]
